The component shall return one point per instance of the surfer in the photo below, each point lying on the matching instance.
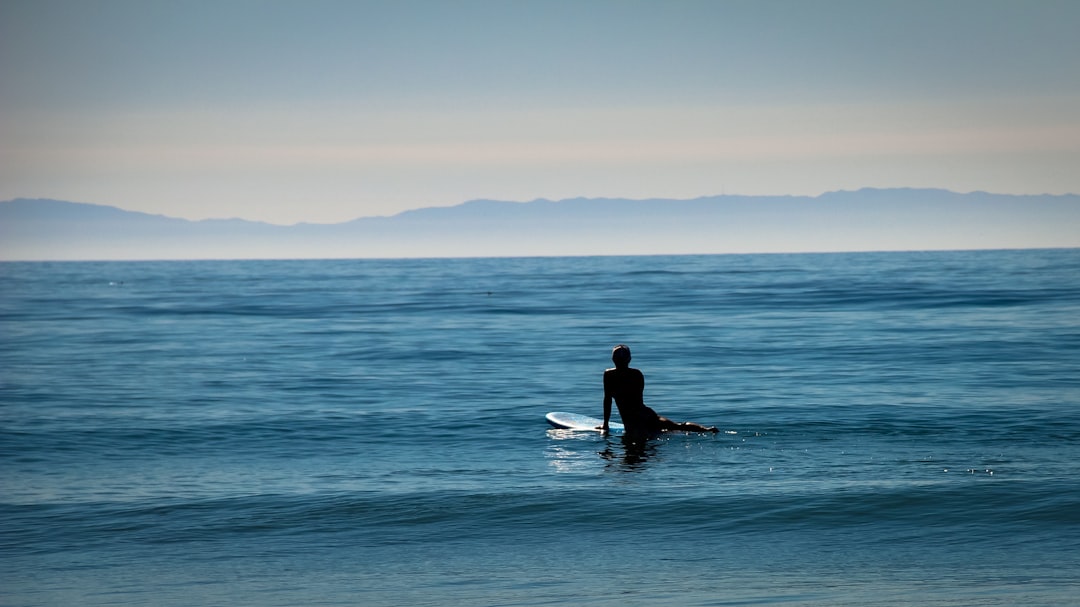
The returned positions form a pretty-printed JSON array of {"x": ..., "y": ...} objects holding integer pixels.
[{"x": 627, "y": 387}]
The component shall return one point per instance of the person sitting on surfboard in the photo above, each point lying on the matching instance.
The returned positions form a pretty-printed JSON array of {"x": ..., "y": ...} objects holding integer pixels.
[{"x": 627, "y": 387}]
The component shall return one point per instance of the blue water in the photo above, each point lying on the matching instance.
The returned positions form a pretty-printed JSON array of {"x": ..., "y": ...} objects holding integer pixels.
[{"x": 899, "y": 429}]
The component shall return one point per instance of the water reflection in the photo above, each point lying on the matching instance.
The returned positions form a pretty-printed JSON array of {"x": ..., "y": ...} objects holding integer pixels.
[
  {"x": 573, "y": 451},
  {"x": 563, "y": 453},
  {"x": 628, "y": 454}
]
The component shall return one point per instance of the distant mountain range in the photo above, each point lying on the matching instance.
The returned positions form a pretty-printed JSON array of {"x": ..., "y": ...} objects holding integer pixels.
[{"x": 863, "y": 220}]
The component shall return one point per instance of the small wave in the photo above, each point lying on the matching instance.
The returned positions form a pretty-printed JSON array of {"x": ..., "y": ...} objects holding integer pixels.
[{"x": 974, "y": 512}]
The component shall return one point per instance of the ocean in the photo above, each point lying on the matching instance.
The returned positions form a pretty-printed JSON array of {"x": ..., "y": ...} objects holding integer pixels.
[{"x": 897, "y": 429}]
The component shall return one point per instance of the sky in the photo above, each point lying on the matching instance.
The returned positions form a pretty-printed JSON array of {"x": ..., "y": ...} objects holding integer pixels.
[{"x": 325, "y": 111}]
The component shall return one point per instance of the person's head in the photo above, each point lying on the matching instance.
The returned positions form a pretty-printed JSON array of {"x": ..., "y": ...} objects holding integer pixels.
[{"x": 620, "y": 355}]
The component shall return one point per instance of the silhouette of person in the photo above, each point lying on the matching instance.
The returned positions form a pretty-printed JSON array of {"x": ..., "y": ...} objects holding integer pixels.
[{"x": 627, "y": 386}]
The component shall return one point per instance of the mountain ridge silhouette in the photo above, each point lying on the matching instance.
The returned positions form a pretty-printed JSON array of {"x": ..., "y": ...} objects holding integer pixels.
[{"x": 851, "y": 220}]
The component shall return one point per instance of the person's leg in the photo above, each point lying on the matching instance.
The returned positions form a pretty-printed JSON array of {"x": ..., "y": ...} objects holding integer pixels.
[
  {"x": 668, "y": 425},
  {"x": 695, "y": 427}
]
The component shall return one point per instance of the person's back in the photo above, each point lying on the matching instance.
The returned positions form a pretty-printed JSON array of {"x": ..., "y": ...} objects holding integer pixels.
[{"x": 627, "y": 387}]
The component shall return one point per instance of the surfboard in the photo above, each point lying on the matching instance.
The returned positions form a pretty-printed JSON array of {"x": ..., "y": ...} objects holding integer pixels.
[{"x": 576, "y": 421}]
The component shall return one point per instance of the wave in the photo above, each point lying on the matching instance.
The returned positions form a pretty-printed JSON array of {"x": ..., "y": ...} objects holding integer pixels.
[{"x": 993, "y": 513}]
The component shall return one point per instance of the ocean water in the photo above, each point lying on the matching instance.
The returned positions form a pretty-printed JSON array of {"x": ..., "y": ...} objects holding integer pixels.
[{"x": 898, "y": 429}]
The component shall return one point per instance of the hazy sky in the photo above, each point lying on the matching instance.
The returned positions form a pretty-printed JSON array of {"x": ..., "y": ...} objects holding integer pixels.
[{"x": 316, "y": 110}]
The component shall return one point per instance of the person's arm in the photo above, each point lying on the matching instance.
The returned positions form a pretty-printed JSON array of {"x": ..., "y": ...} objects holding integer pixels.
[{"x": 607, "y": 406}]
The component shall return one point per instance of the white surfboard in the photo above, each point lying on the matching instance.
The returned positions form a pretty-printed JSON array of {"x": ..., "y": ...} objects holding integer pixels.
[{"x": 576, "y": 421}]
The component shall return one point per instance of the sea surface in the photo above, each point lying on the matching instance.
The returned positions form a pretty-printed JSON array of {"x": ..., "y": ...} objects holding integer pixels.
[{"x": 898, "y": 429}]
